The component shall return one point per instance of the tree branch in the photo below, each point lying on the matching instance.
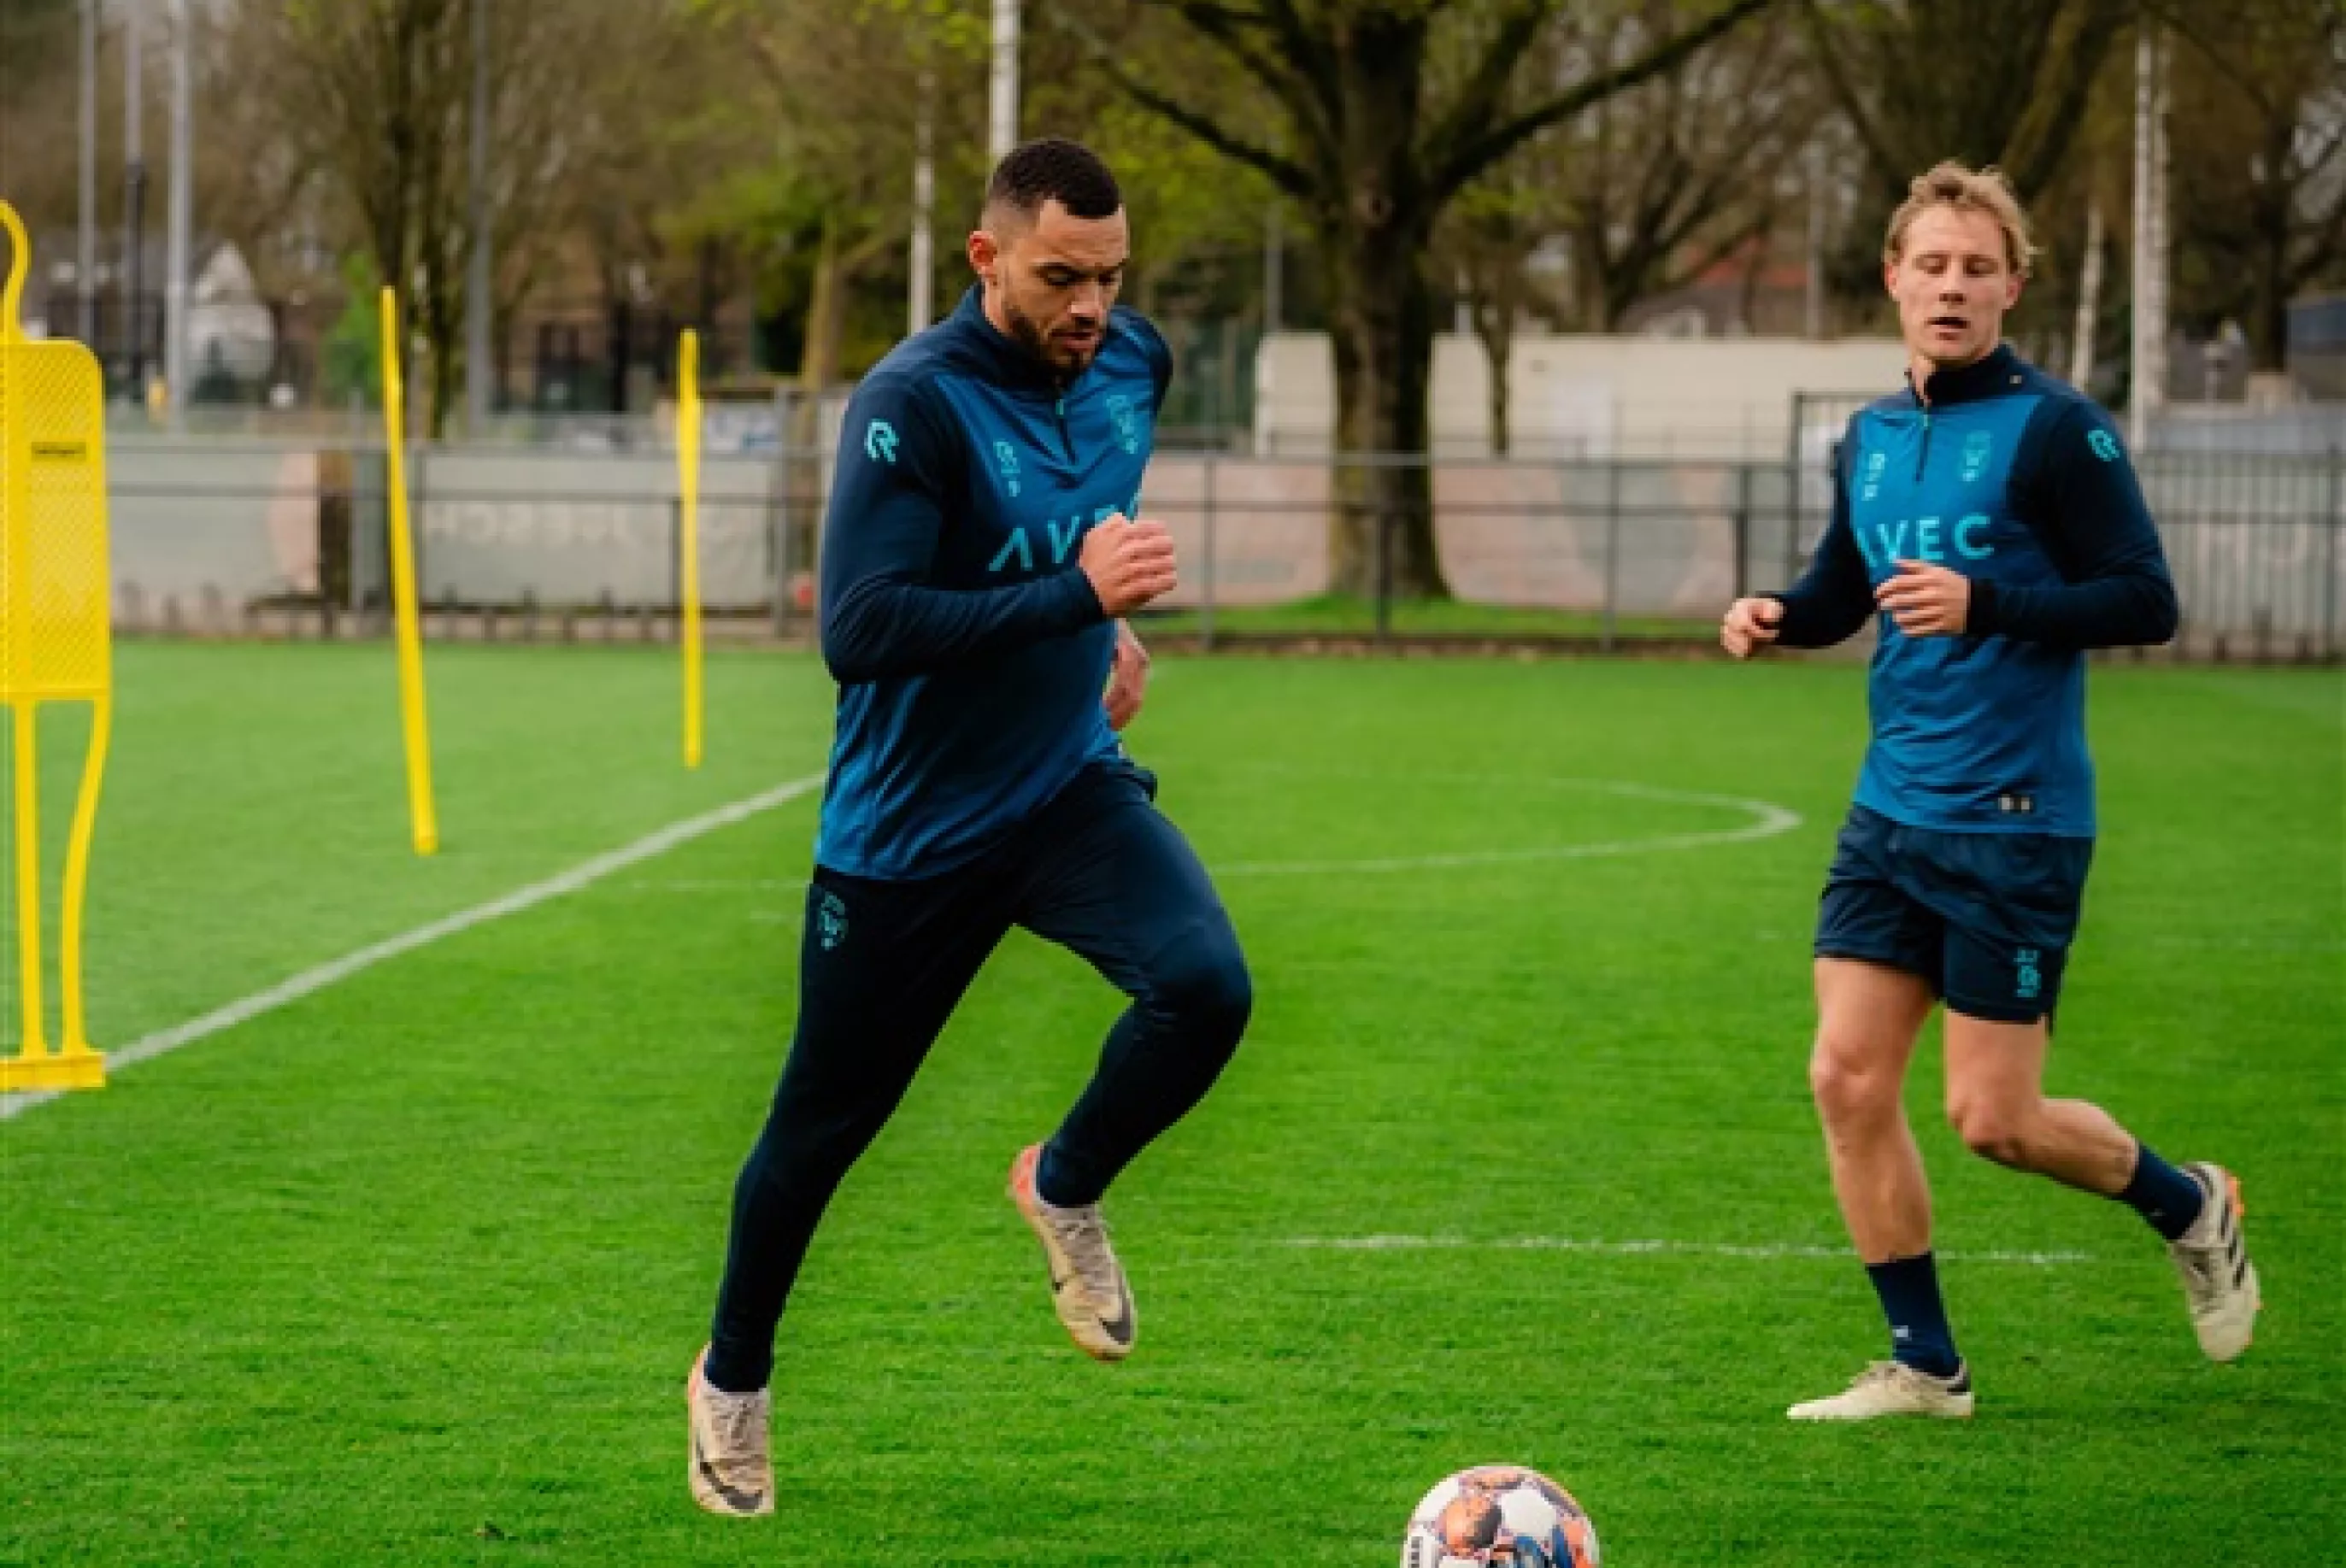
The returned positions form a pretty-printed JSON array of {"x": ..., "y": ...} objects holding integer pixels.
[
  {"x": 1480, "y": 152},
  {"x": 1878, "y": 151},
  {"x": 1286, "y": 77},
  {"x": 2038, "y": 147},
  {"x": 1283, "y": 172},
  {"x": 1480, "y": 99}
]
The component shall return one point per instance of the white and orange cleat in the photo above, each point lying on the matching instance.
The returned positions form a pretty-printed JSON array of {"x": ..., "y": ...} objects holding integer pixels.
[
  {"x": 2212, "y": 1257},
  {"x": 1088, "y": 1284}
]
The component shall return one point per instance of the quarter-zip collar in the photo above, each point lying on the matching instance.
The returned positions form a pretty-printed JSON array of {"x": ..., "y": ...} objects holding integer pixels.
[
  {"x": 1996, "y": 371},
  {"x": 1010, "y": 363}
]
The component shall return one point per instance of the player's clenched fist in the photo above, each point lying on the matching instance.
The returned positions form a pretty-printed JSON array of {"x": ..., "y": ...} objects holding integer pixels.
[
  {"x": 1749, "y": 625},
  {"x": 1129, "y": 562}
]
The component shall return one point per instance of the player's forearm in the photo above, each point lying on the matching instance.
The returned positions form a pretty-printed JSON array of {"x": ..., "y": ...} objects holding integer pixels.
[
  {"x": 880, "y": 629},
  {"x": 1818, "y": 618},
  {"x": 2125, "y": 609}
]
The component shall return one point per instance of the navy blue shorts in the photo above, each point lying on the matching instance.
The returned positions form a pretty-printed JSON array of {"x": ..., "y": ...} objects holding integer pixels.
[{"x": 1986, "y": 918}]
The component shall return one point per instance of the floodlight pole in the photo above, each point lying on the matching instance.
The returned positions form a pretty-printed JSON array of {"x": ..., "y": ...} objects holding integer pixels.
[
  {"x": 476, "y": 279},
  {"x": 1002, "y": 95},
  {"x": 175, "y": 298},
  {"x": 2148, "y": 375},
  {"x": 922, "y": 266},
  {"x": 85, "y": 257},
  {"x": 134, "y": 187}
]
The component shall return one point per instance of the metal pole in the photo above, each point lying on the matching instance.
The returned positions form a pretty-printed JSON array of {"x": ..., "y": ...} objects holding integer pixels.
[
  {"x": 1206, "y": 609},
  {"x": 86, "y": 259},
  {"x": 1794, "y": 518},
  {"x": 1001, "y": 88},
  {"x": 1612, "y": 544},
  {"x": 175, "y": 297},
  {"x": 2337, "y": 520},
  {"x": 778, "y": 512},
  {"x": 918, "y": 309},
  {"x": 2149, "y": 344},
  {"x": 1274, "y": 272},
  {"x": 134, "y": 186},
  {"x": 1813, "y": 306},
  {"x": 1743, "y": 528},
  {"x": 478, "y": 374}
]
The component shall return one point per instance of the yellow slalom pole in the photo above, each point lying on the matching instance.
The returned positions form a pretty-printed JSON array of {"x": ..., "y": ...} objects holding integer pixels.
[
  {"x": 84, "y": 825},
  {"x": 402, "y": 585},
  {"x": 34, "y": 1046},
  {"x": 687, "y": 477}
]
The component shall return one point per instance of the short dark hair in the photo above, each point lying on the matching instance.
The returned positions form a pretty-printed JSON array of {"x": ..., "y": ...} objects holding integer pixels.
[{"x": 1052, "y": 169}]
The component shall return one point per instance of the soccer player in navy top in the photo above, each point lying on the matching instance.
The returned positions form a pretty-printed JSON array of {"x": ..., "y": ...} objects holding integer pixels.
[
  {"x": 1989, "y": 520},
  {"x": 983, "y": 541}
]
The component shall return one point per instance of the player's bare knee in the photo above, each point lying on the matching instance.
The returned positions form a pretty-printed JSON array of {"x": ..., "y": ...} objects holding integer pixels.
[
  {"x": 1851, "y": 1082},
  {"x": 1992, "y": 1130}
]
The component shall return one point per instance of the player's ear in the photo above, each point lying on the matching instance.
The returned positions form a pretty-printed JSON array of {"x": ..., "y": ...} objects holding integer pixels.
[{"x": 985, "y": 253}]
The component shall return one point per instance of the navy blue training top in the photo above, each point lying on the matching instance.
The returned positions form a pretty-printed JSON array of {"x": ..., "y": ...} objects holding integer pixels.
[
  {"x": 970, "y": 650},
  {"x": 2020, "y": 482}
]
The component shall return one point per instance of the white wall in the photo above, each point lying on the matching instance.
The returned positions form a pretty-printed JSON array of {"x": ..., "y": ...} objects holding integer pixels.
[{"x": 1588, "y": 396}]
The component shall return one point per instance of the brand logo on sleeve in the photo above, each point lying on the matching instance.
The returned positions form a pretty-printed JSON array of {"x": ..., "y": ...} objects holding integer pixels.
[{"x": 1126, "y": 421}]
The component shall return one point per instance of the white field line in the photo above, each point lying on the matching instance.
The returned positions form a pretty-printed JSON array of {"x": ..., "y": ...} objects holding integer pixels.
[
  {"x": 1634, "y": 1247},
  {"x": 1767, "y": 820},
  {"x": 309, "y": 982}
]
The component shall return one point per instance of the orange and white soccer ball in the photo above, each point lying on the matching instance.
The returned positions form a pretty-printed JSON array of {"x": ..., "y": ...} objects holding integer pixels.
[{"x": 1500, "y": 1515}]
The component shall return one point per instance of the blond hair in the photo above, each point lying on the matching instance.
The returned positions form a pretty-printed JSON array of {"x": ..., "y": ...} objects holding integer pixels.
[{"x": 1966, "y": 189}]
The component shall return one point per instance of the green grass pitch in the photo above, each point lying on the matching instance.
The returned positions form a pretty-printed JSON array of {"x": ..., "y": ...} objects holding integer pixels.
[{"x": 410, "y": 1270}]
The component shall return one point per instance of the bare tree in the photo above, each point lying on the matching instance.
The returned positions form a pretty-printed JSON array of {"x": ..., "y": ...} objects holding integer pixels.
[
  {"x": 1664, "y": 181},
  {"x": 2002, "y": 82},
  {"x": 1372, "y": 115},
  {"x": 377, "y": 96},
  {"x": 2259, "y": 115}
]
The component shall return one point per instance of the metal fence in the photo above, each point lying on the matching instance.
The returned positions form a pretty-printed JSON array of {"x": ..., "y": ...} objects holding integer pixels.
[{"x": 245, "y": 535}]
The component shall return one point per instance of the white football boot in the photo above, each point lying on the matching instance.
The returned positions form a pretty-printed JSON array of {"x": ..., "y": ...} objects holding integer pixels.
[
  {"x": 2212, "y": 1257},
  {"x": 1892, "y": 1388}
]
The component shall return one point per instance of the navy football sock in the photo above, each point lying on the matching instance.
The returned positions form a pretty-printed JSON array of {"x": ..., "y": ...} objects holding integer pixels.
[
  {"x": 2168, "y": 1197},
  {"x": 1919, "y": 1334}
]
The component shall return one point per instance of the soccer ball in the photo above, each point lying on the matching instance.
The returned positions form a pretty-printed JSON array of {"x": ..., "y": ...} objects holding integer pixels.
[{"x": 1499, "y": 1513}]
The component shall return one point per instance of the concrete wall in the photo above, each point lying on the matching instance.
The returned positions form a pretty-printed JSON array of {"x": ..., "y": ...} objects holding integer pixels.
[{"x": 1580, "y": 396}]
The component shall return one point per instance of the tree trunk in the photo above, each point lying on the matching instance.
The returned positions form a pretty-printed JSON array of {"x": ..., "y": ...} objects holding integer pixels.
[
  {"x": 1382, "y": 541},
  {"x": 2268, "y": 323},
  {"x": 826, "y": 314},
  {"x": 1494, "y": 324},
  {"x": 443, "y": 310},
  {"x": 1378, "y": 229},
  {"x": 2089, "y": 301},
  {"x": 837, "y": 267}
]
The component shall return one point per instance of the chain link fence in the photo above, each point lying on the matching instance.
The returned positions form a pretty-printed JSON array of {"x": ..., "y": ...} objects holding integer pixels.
[{"x": 249, "y": 534}]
